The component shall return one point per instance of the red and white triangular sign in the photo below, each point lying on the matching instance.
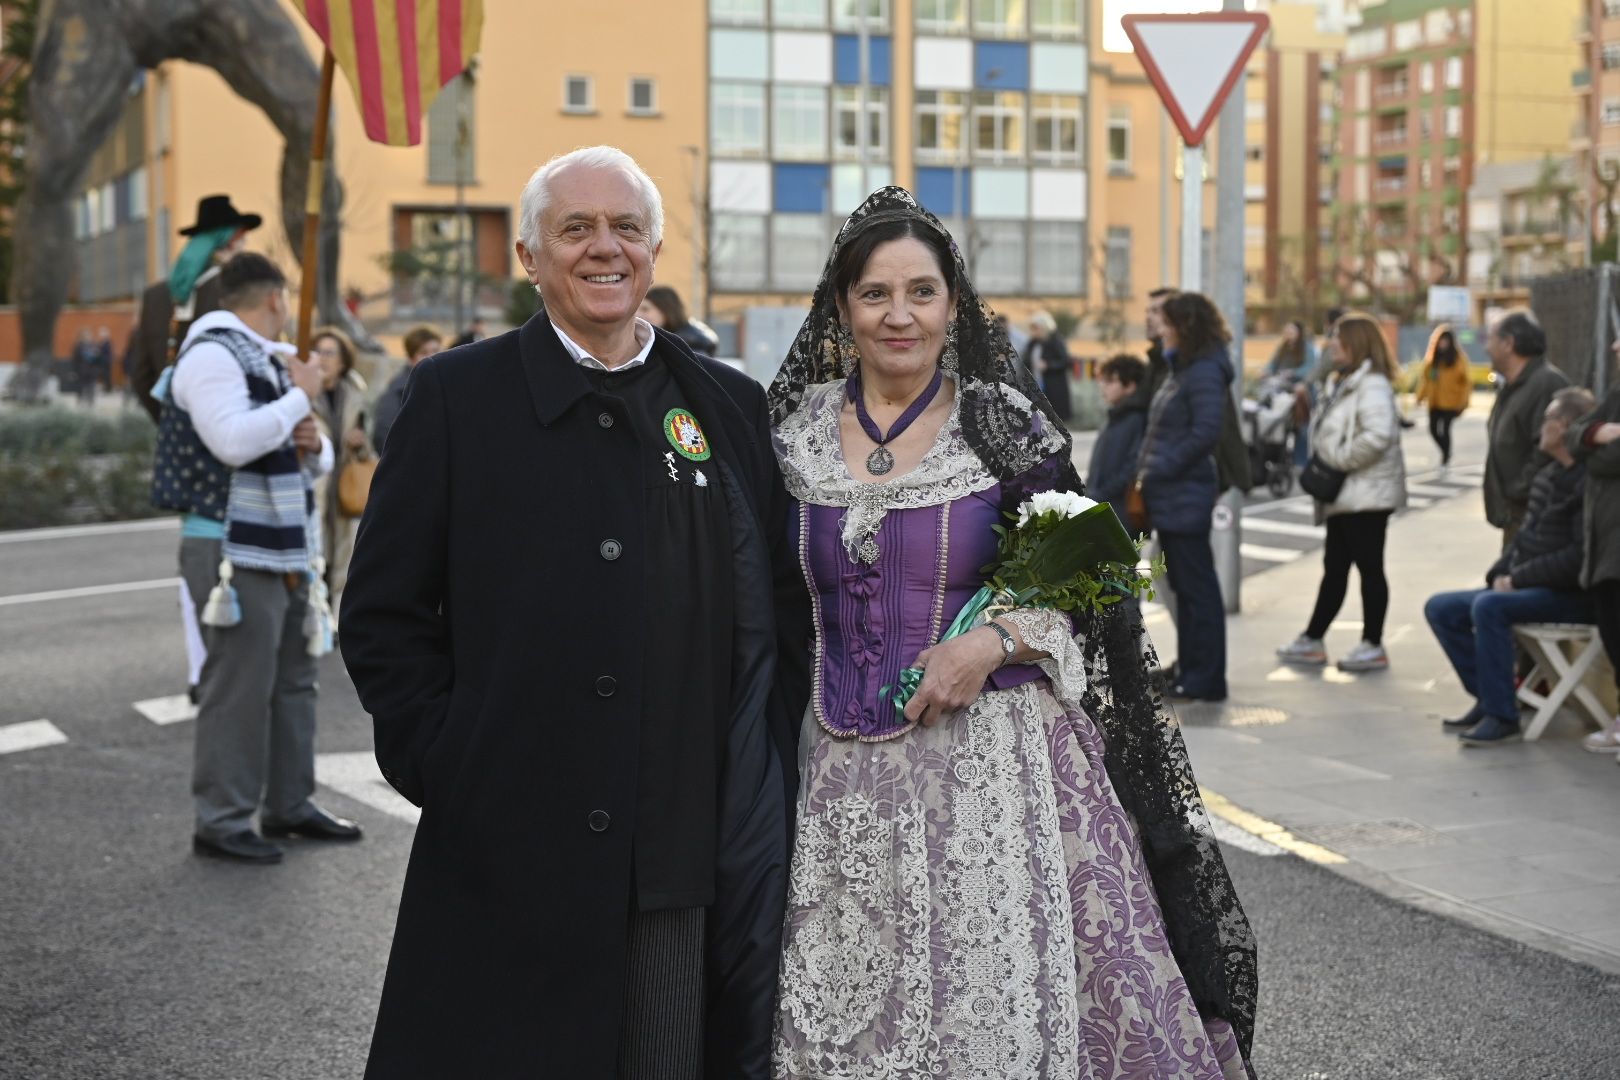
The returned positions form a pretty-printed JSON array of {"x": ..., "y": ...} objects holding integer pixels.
[{"x": 1195, "y": 60}]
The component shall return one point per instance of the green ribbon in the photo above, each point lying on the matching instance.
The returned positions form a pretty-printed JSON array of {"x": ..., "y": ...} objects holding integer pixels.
[{"x": 973, "y": 614}]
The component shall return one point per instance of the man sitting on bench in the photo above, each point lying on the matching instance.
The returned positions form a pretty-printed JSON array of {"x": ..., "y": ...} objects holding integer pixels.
[{"x": 1537, "y": 580}]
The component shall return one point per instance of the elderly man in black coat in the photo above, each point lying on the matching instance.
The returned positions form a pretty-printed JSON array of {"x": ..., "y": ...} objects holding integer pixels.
[{"x": 559, "y": 616}]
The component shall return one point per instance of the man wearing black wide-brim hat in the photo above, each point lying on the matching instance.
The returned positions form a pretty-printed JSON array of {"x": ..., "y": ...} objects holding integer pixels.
[{"x": 168, "y": 307}]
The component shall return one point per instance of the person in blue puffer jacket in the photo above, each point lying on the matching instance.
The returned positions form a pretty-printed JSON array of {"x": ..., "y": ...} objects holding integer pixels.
[{"x": 1179, "y": 486}]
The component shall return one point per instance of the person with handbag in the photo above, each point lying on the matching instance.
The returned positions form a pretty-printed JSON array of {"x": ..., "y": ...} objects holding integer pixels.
[
  {"x": 1357, "y": 474},
  {"x": 340, "y": 497}
]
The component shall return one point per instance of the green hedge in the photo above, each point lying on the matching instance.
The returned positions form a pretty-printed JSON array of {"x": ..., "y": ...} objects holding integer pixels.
[{"x": 60, "y": 467}]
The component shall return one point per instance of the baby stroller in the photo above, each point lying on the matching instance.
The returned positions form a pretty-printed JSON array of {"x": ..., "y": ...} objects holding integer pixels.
[{"x": 1268, "y": 423}]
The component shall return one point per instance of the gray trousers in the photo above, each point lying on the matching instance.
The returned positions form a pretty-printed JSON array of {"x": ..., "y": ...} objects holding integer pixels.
[{"x": 256, "y": 709}]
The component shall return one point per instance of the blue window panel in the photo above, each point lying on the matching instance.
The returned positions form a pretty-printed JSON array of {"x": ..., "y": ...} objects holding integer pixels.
[
  {"x": 936, "y": 189},
  {"x": 847, "y": 60},
  {"x": 1001, "y": 65},
  {"x": 802, "y": 189}
]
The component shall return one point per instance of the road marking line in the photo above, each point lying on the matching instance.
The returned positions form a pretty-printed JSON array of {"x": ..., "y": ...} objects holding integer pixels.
[
  {"x": 1284, "y": 528},
  {"x": 1269, "y": 554},
  {"x": 1269, "y": 831},
  {"x": 167, "y": 710},
  {"x": 69, "y": 532},
  {"x": 29, "y": 735},
  {"x": 1231, "y": 836},
  {"x": 1418, "y": 502},
  {"x": 357, "y": 776},
  {"x": 89, "y": 590},
  {"x": 1429, "y": 491}
]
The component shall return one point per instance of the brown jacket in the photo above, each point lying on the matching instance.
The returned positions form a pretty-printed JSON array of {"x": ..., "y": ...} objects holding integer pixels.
[{"x": 149, "y": 347}]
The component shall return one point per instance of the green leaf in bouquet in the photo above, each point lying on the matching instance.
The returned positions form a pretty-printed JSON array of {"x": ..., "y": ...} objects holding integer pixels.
[{"x": 1079, "y": 545}]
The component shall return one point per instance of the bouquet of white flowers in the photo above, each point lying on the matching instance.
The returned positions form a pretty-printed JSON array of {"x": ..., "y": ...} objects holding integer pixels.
[{"x": 1065, "y": 552}]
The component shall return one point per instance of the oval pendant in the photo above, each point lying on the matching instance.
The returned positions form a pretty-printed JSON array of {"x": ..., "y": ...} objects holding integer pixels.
[{"x": 879, "y": 461}]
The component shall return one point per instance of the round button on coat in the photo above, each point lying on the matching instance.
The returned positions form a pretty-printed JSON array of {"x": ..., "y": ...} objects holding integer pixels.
[
  {"x": 599, "y": 821},
  {"x": 605, "y": 420},
  {"x": 611, "y": 549},
  {"x": 606, "y": 685}
]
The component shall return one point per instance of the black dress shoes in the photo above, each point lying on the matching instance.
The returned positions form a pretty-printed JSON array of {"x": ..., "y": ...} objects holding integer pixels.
[
  {"x": 318, "y": 826},
  {"x": 246, "y": 846}
]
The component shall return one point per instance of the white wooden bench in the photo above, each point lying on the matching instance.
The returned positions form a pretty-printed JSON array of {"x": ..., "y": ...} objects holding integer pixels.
[{"x": 1563, "y": 655}]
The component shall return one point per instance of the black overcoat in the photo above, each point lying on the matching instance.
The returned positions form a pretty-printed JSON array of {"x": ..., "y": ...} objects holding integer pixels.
[{"x": 494, "y": 624}]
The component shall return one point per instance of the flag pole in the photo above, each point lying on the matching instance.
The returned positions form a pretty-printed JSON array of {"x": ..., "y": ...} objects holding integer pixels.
[{"x": 312, "y": 207}]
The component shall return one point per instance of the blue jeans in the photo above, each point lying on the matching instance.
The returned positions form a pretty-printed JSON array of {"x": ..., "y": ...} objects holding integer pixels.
[
  {"x": 1475, "y": 628},
  {"x": 1200, "y": 612}
]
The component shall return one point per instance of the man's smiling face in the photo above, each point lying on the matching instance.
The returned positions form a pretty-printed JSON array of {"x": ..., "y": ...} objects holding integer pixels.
[{"x": 594, "y": 264}]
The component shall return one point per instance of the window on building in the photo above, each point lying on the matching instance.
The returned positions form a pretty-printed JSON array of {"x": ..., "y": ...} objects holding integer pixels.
[
  {"x": 942, "y": 16},
  {"x": 1454, "y": 124},
  {"x": 109, "y": 208},
  {"x": 1058, "y": 259},
  {"x": 799, "y": 12},
  {"x": 643, "y": 97},
  {"x": 1117, "y": 262},
  {"x": 136, "y": 182},
  {"x": 1454, "y": 72},
  {"x": 451, "y": 145},
  {"x": 1254, "y": 110},
  {"x": 798, "y": 250},
  {"x": 579, "y": 95},
  {"x": 998, "y": 125},
  {"x": 940, "y": 118},
  {"x": 1054, "y": 129},
  {"x": 1408, "y": 35},
  {"x": 737, "y": 11},
  {"x": 1611, "y": 55},
  {"x": 998, "y": 18},
  {"x": 799, "y": 123},
  {"x": 1425, "y": 173},
  {"x": 1611, "y": 9},
  {"x": 1119, "y": 140},
  {"x": 737, "y": 119},
  {"x": 846, "y": 130},
  {"x": 1055, "y": 18},
  {"x": 998, "y": 266},
  {"x": 1611, "y": 112},
  {"x": 737, "y": 252},
  {"x": 1425, "y": 125},
  {"x": 847, "y": 14},
  {"x": 1254, "y": 153},
  {"x": 1426, "y": 77}
]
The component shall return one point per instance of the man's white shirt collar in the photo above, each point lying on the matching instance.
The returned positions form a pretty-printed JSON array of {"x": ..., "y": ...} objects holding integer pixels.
[{"x": 644, "y": 338}]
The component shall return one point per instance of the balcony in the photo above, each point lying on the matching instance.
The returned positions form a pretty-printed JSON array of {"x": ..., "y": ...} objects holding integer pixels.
[
  {"x": 1392, "y": 137},
  {"x": 1582, "y": 30},
  {"x": 1390, "y": 91},
  {"x": 1581, "y": 81},
  {"x": 1385, "y": 186}
]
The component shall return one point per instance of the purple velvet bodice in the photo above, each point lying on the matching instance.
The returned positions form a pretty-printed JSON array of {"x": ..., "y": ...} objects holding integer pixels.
[{"x": 872, "y": 621}]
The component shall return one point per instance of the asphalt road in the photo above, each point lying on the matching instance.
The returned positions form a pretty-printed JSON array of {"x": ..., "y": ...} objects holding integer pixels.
[{"x": 123, "y": 956}]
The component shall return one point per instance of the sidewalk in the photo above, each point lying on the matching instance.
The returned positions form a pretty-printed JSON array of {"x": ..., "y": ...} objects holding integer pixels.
[{"x": 1355, "y": 772}]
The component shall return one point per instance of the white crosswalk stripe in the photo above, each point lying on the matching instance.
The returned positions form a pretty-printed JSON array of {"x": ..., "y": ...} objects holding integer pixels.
[
  {"x": 1269, "y": 554},
  {"x": 357, "y": 776},
  {"x": 29, "y": 735},
  {"x": 167, "y": 710},
  {"x": 1283, "y": 528}
]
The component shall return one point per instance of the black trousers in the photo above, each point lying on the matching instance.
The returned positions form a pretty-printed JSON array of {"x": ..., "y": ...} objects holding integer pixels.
[
  {"x": 1606, "y": 603},
  {"x": 662, "y": 1033},
  {"x": 1200, "y": 612},
  {"x": 1440, "y": 429},
  {"x": 1354, "y": 539}
]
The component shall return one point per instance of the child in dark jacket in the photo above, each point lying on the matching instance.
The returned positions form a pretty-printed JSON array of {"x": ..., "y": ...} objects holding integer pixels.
[{"x": 1119, "y": 444}]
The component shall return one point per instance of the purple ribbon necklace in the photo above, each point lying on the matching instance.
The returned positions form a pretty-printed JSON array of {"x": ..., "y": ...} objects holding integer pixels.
[{"x": 881, "y": 460}]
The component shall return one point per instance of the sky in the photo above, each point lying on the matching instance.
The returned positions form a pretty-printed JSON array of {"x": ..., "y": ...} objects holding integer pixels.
[{"x": 1114, "y": 39}]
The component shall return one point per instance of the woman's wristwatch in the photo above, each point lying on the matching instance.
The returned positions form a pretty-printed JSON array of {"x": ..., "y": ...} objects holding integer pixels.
[{"x": 1009, "y": 644}]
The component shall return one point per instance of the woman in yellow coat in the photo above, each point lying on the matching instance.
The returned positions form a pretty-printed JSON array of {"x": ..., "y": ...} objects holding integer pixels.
[{"x": 1444, "y": 382}]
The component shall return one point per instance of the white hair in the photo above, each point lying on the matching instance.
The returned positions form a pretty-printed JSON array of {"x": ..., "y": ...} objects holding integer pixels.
[
  {"x": 1043, "y": 321},
  {"x": 537, "y": 192}
]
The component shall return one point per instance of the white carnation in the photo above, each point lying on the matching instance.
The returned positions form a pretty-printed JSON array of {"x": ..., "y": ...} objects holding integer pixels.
[{"x": 1066, "y": 503}]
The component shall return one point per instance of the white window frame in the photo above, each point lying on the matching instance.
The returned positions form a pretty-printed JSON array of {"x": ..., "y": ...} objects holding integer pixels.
[
  {"x": 942, "y": 112},
  {"x": 784, "y": 125},
  {"x": 1008, "y": 117},
  {"x": 1122, "y": 164},
  {"x": 749, "y": 96},
  {"x": 730, "y": 271},
  {"x": 1045, "y": 245},
  {"x": 845, "y": 15},
  {"x": 1045, "y": 108},
  {"x": 1609, "y": 57},
  {"x": 1454, "y": 72},
  {"x": 846, "y": 102},
  {"x": 738, "y": 12},
  {"x": 801, "y": 277},
  {"x": 1609, "y": 116},
  {"x": 137, "y": 193},
  {"x": 589, "y": 85},
  {"x": 796, "y": 20},
  {"x": 998, "y": 27},
  {"x": 1054, "y": 30},
  {"x": 1426, "y": 77},
  {"x": 1611, "y": 9},
  {"x": 630, "y": 106},
  {"x": 1454, "y": 122},
  {"x": 1117, "y": 245},
  {"x": 928, "y": 22},
  {"x": 984, "y": 274}
]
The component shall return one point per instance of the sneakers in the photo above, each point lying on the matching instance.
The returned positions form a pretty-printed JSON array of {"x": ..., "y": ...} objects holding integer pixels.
[
  {"x": 1305, "y": 651},
  {"x": 1491, "y": 731},
  {"x": 1365, "y": 657},
  {"x": 1606, "y": 741}
]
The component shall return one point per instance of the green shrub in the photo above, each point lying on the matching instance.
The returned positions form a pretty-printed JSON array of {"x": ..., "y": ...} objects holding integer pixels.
[
  {"x": 60, "y": 467},
  {"x": 57, "y": 430}
]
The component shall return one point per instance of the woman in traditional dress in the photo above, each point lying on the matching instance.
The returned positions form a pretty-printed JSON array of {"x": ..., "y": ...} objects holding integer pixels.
[{"x": 1015, "y": 878}]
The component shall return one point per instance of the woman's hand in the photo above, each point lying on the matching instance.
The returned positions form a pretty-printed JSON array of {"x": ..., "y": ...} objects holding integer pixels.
[{"x": 954, "y": 672}]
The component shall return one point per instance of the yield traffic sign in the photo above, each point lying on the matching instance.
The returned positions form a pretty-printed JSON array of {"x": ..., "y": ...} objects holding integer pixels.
[{"x": 1194, "y": 61}]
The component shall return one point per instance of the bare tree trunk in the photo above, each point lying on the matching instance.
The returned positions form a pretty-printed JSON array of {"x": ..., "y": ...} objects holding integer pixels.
[{"x": 85, "y": 56}]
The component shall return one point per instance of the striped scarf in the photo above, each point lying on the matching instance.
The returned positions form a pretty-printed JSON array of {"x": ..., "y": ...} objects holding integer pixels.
[{"x": 270, "y": 511}]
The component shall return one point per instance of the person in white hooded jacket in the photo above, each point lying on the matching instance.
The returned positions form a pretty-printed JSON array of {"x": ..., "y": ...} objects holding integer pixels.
[{"x": 1356, "y": 431}]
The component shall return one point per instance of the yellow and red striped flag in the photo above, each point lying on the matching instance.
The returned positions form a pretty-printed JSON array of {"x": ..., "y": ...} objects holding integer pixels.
[{"x": 397, "y": 54}]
